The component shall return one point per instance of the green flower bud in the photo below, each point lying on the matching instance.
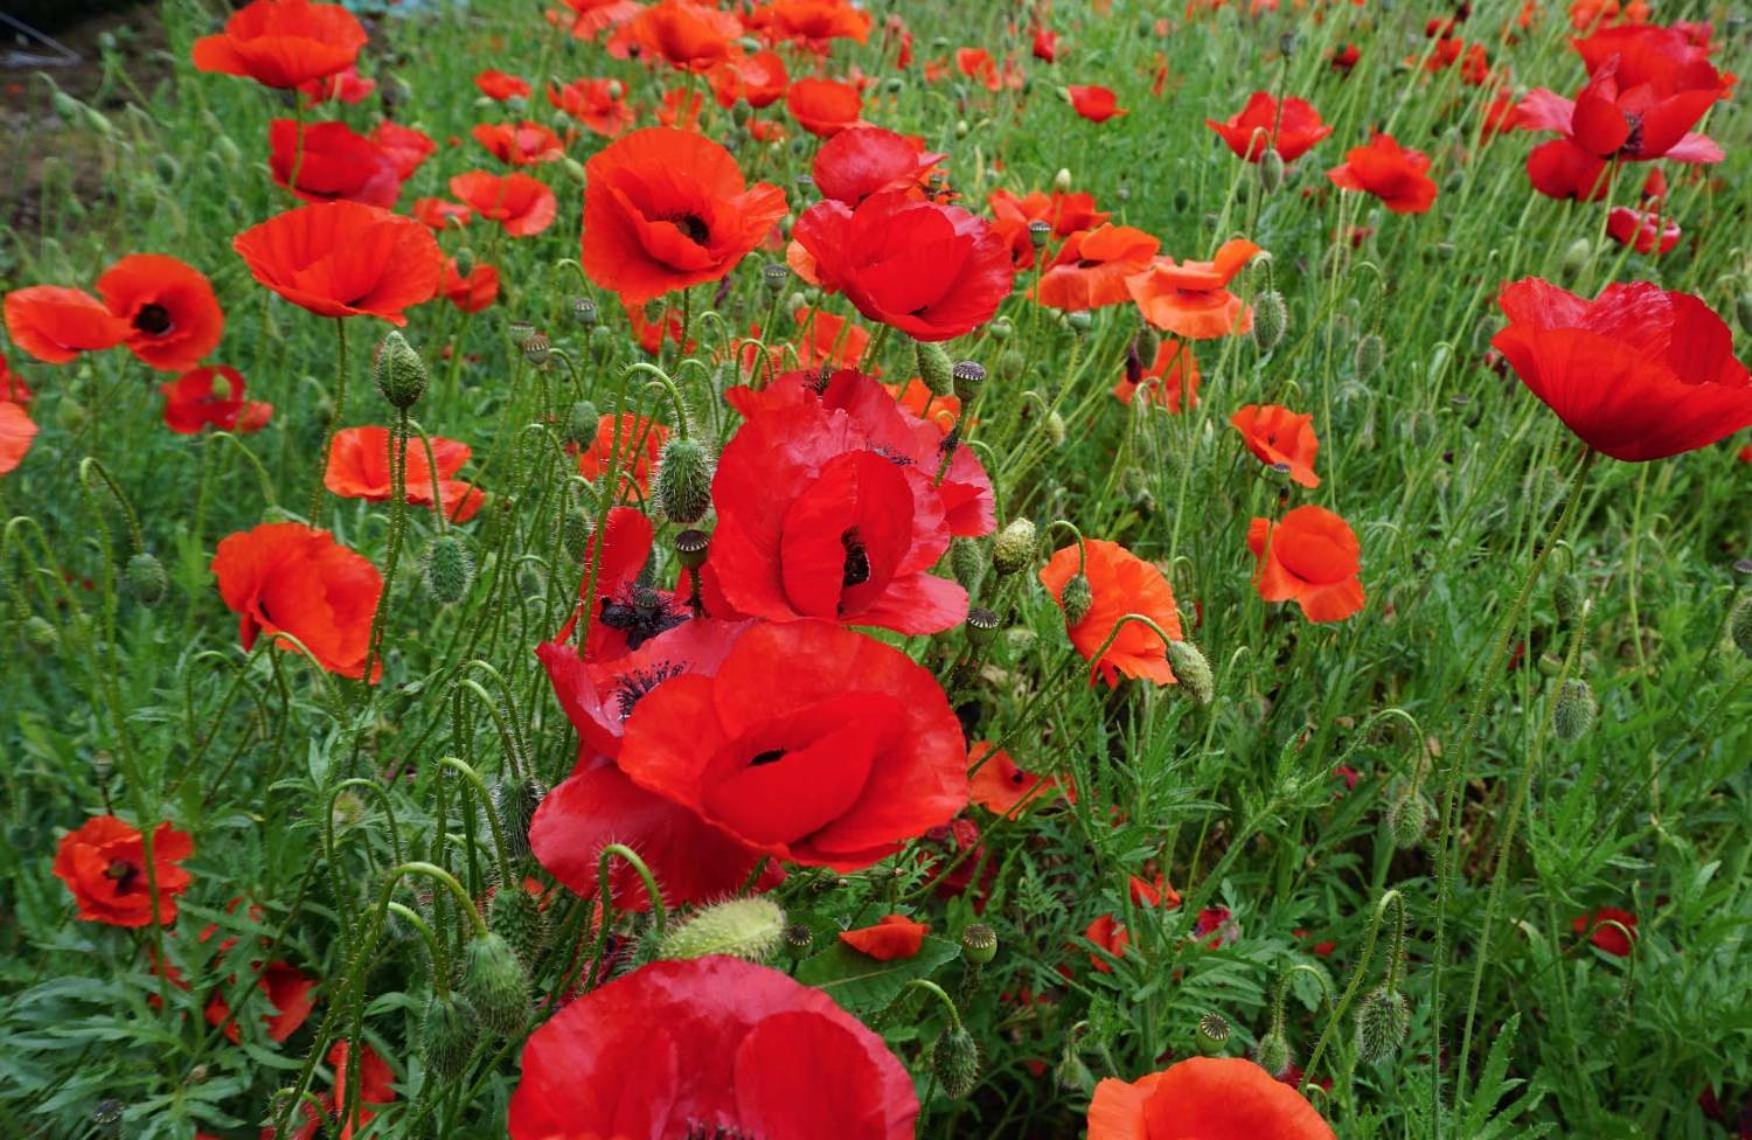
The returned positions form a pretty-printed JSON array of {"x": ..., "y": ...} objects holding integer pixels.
[
  {"x": 448, "y": 1033},
  {"x": 1193, "y": 671},
  {"x": 575, "y": 533},
  {"x": 955, "y": 1060},
  {"x": 146, "y": 579},
  {"x": 683, "y": 487},
  {"x": 1566, "y": 597},
  {"x": 1273, "y": 1053},
  {"x": 1270, "y": 319},
  {"x": 1575, "y": 711},
  {"x": 1001, "y": 329},
  {"x": 1370, "y": 351},
  {"x": 496, "y": 985},
  {"x": 516, "y": 916},
  {"x": 1013, "y": 548},
  {"x": 1408, "y": 818},
  {"x": 581, "y": 423},
  {"x": 1383, "y": 1021},
  {"x": 448, "y": 568},
  {"x": 1072, "y": 1074},
  {"x": 1055, "y": 429},
  {"x": 1011, "y": 365},
  {"x": 401, "y": 374},
  {"x": 465, "y": 261},
  {"x": 1740, "y": 624},
  {"x": 1577, "y": 256},
  {"x": 1062, "y": 181},
  {"x": 41, "y": 634},
  {"x": 752, "y": 929},
  {"x": 1076, "y": 599},
  {"x": 966, "y": 562},
  {"x": 979, "y": 943},
  {"x": 935, "y": 368},
  {"x": 516, "y": 801},
  {"x": 1080, "y": 321},
  {"x": 1271, "y": 171}
]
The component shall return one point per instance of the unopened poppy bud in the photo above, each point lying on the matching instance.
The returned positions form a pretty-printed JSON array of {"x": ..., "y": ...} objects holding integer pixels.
[
  {"x": 227, "y": 150},
  {"x": 1740, "y": 624},
  {"x": 961, "y": 128},
  {"x": 1408, "y": 818},
  {"x": 585, "y": 312},
  {"x": 1055, "y": 429},
  {"x": 935, "y": 368},
  {"x": 1271, "y": 171},
  {"x": 1080, "y": 321},
  {"x": 1273, "y": 1053},
  {"x": 1566, "y": 597},
  {"x": 1062, "y": 181},
  {"x": 538, "y": 349},
  {"x": 448, "y": 1033},
  {"x": 146, "y": 579},
  {"x": 683, "y": 488},
  {"x": 448, "y": 569},
  {"x": 1076, "y": 599},
  {"x": 1039, "y": 232},
  {"x": 581, "y": 424},
  {"x": 979, "y": 944},
  {"x": 496, "y": 985},
  {"x": 465, "y": 261},
  {"x": 1013, "y": 548},
  {"x": 516, "y": 800},
  {"x": 574, "y": 170},
  {"x": 401, "y": 374},
  {"x": 969, "y": 376},
  {"x": 691, "y": 548},
  {"x": 41, "y": 634},
  {"x": 575, "y": 533},
  {"x": 1743, "y": 310},
  {"x": 516, "y": 916},
  {"x": 518, "y": 332},
  {"x": 1383, "y": 1020},
  {"x": 1212, "y": 1034},
  {"x": 1370, "y": 350},
  {"x": 1270, "y": 319},
  {"x": 798, "y": 938},
  {"x": 1011, "y": 365},
  {"x": 1575, "y": 711},
  {"x": 955, "y": 1060},
  {"x": 752, "y": 929},
  {"x": 1001, "y": 329},
  {"x": 1577, "y": 256},
  {"x": 1192, "y": 670},
  {"x": 966, "y": 562}
]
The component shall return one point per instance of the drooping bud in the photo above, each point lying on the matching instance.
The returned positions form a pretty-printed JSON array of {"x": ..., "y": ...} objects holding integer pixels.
[
  {"x": 935, "y": 368},
  {"x": 575, "y": 533},
  {"x": 581, "y": 424},
  {"x": 1055, "y": 429},
  {"x": 968, "y": 377},
  {"x": 516, "y": 916},
  {"x": 1370, "y": 351},
  {"x": 496, "y": 985},
  {"x": 979, "y": 943},
  {"x": 465, "y": 261},
  {"x": 1213, "y": 1034},
  {"x": 1575, "y": 711},
  {"x": 683, "y": 488},
  {"x": 516, "y": 801},
  {"x": 1383, "y": 1020},
  {"x": 1408, "y": 818},
  {"x": 41, "y": 634},
  {"x": 1566, "y": 597},
  {"x": 401, "y": 374},
  {"x": 448, "y": 1033},
  {"x": 1077, "y": 598},
  {"x": 1271, "y": 171},
  {"x": 1273, "y": 1053},
  {"x": 1011, "y": 365},
  {"x": 1740, "y": 624},
  {"x": 1576, "y": 257},
  {"x": 146, "y": 579},
  {"x": 1192, "y": 670},
  {"x": 1013, "y": 548},
  {"x": 955, "y": 1060},
  {"x": 752, "y": 929},
  {"x": 1270, "y": 319},
  {"x": 1072, "y": 1072},
  {"x": 448, "y": 568}
]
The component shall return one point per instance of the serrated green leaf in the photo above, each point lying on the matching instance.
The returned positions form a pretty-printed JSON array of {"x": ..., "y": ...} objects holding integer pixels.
[{"x": 861, "y": 983}]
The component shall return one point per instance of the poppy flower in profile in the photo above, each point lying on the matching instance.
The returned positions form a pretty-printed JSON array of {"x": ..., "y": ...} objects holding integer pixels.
[
  {"x": 1045, "y": 47},
  {"x": 1066, "y": 212},
  {"x": 1204, "y": 1096},
  {"x": 710, "y": 1046},
  {"x": 1170, "y": 381},
  {"x": 376, "y": 1085},
  {"x": 760, "y": 80},
  {"x": 1192, "y": 298},
  {"x": 599, "y": 104},
  {"x": 998, "y": 785},
  {"x": 1092, "y": 267},
  {"x": 1646, "y": 231},
  {"x": 1095, "y": 103},
  {"x": 471, "y": 294},
  {"x": 824, "y": 107},
  {"x": 332, "y": 163},
  {"x": 343, "y": 259},
  {"x": 211, "y": 397},
  {"x": 1562, "y": 170},
  {"x": 520, "y": 144},
  {"x": 854, "y": 164},
  {"x": 812, "y": 24},
  {"x": 55, "y": 324},
  {"x": 1610, "y": 928},
  {"x": 103, "y": 864},
  {"x": 1280, "y": 438},
  {"x": 688, "y": 36},
  {"x": 641, "y": 441},
  {"x": 811, "y": 742},
  {"x": 665, "y": 209},
  {"x": 1121, "y": 583},
  {"x": 283, "y": 43},
  {"x": 934, "y": 272},
  {"x": 1312, "y": 558},
  {"x": 439, "y": 214},
  {"x": 500, "y": 86},
  {"x": 358, "y": 468},
  {"x": 895, "y": 936},
  {"x": 1262, "y": 125},
  {"x": 294, "y": 579},
  {"x": 1638, "y": 373},
  {"x": 1397, "y": 175},
  {"x": 822, "y": 339},
  {"x": 173, "y": 318},
  {"x": 521, "y": 204},
  {"x": 1110, "y": 936},
  {"x": 17, "y": 431},
  {"x": 346, "y": 86}
]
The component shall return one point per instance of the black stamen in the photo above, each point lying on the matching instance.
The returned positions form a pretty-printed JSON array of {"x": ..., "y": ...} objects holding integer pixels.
[
  {"x": 857, "y": 564},
  {"x": 154, "y": 320},
  {"x": 772, "y": 756}
]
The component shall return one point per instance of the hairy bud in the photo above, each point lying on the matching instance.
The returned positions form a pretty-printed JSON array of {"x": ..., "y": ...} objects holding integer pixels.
[
  {"x": 1383, "y": 1020},
  {"x": 1271, "y": 319},
  {"x": 1271, "y": 171},
  {"x": 955, "y": 1060},
  {"x": 448, "y": 1033},
  {"x": 752, "y": 929},
  {"x": 1370, "y": 351},
  {"x": 401, "y": 374},
  {"x": 1192, "y": 670},
  {"x": 1575, "y": 711},
  {"x": 1076, "y": 599},
  {"x": 1013, "y": 548},
  {"x": 448, "y": 568},
  {"x": 516, "y": 916},
  {"x": 496, "y": 985},
  {"x": 683, "y": 487},
  {"x": 935, "y": 368},
  {"x": 146, "y": 579}
]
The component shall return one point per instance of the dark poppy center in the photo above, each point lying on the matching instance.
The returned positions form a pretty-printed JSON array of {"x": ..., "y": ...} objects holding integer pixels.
[
  {"x": 154, "y": 320},
  {"x": 635, "y": 686},
  {"x": 694, "y": 227},
  {"x": 1633, "y": 140},
  {"x": 641, "y": 614},
  {"x": 122, "y": 873},
  {"x": 699, "y": 1130},
  {"x": 1086, "y": 263},
  {"x": 857, "y": 564},
  {"x": 770, "y": 756}
]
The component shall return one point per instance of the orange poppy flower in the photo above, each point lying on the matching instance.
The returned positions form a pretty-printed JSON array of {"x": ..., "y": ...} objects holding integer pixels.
[
  {"x": 294, "y": 579},
  {"x": 945, "y": 411},
  {"x": 1228, "y": 1097},
  {"x": 1092, "y": 267},
  {"x": 1311, "y": 558},
  {"x": 1122, "y": 583},
  {"x": 343, "y": 259},
  {"x": 1279, "y": 437},
  {"x": 438, "y": 214},
  {"x": 1170, "y": 381},
  {"x": 1191, "y": 298},
  {"x": 1397, "y": 175},
  {"x": 812, "y": 23},
  {"x": 1095, "y": 103},
  {"x": 692, "y": 37},
  {"x": 473, "y": 293},
  {"x": 358, "y": 468},
  {"x": 520, "y": 144},
  {"x": 211, "y": 397},
  {"x": 596, "y": 103},
  {"x": 681, "y": 109},
  {"x": 642, "y": 441},
  {"x": 500, "y": 86},
  {"x": 1066, "y": 213},
  {"x": 1110, "y": 934},
  {"x": 998, "y": 785},
  {"x": 665, "y": 209},
  {"x": 17, "y": 430},
  {"x": 55, "y": 324},
  {"x": 896, "y": 936},
  {"x": 172, "y": 315},
  {"x": 104, "y": 864},
  {"x": 523, "y": 205},
  {"x": 283, "y": 43},
  {"x": 759, "y": 80},
  {"x": 824, "y": 107}
]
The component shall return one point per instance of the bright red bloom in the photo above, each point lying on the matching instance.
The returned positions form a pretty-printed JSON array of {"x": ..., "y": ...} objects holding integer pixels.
[
  {"x": 1397, "y": 175},
  {"x": 641, "y": 441},
  {"x": 211, "y": 397},
  {"x": 17, "y": 431},
  {"x": 1611, "y": 929},
  {"x": 345, "y": 86},
  {"x": 173, "y": 318},
  {"x": 1095, "y": 103},
  {"x": 599, "y": 104},
  {"x": 1122, "y": 583},
  {"x": 1192, "y": 298},
  {"x": 358, "y": 468},
  {"x": 1216, "y": 1098},
  {"x": 520, "y": 144},
  {"x": 1218, "y": 922},
  {"x": 689, "y": 36},
  {"x": 283, "y": 43},
  {"x": 681, "y": 109},
  {"x": 55, "y": 324},
  {"x": 1638, "y": 373},
  {"x": 760, "y": 80},
  {"x": 665, "y": 209},
  {"x": 1045, "y": 45},
  {"x": 104, "y": 865},
  {"x": 895, "y": 936},
  {"x": 293, "y": 579},
  {"x": 943, "y": 411},
  {"x": 1092, "y": 267},
  {"x": 632, "y": 611},
  {"x": 1560, "y": 169},
  {"x": 1645, "y": 230},
  {"x": 1261, "y": 126},
  {"x": 934, "y": 272},
  {"x": 824, "y": 107},
  {"x": 406, "y": 147},
  {"x": 500, "y": 86},
  {"x": 1111, "y": 936},
  {"x": 854, "y": 164},
  {"x": 1311, "y": 558},
  {"x": 1345, "y": 58},
  {"x": 812, "y": 743},
  {"x": 822, "y": 339},
  {"x": 1066, "y": 213},
  {"x": 332, "y": 163},
  {"x": 1278, "y": 437},
  {"x": 290, "y": 993},
  {"x": 814, "y": 24},
  {"x": 439, "y": 214},
  {"x": 522, "y": 204},
  {"x": 473, "y": 293},
  {"x": 998, "y": 785},
  {"x": 342, "y": 259},
  {"x": 709, "y": 1047},
  {"x": 1170, "y": 381},
  {"x": 376, "y": 1086},
  {"x": 1157, "y": 893}
]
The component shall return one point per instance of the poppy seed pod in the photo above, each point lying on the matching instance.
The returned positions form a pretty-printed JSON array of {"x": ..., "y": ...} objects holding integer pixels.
[
  {"x": 1383, "y": 1020},
  {"x": 775, "y": 276},
  {"x": 538, "y": 349},
  {"x": 935, "y": 368},
  {"x": 448, "y": 1033},
  {"x": 955, "y": 1060},
  {"x": 1077, "y": 598},
  {"x": 448, "y": 569},
  {"x": 968, "y": 376},
  {"x": 1575, "y": 711},
  {"x": 798, "y": 938},
  {"x": 1740, "y": 624},
  {"x": 1271, "y": 319},
  {"x": 496, "y": 985},
  {"x": 519, "y": 332},
  {"x": 979, "y": 944},
  {"x": 401, "y": 374},
  {"x": 146, "y": 579},
  {"x": 751, "y": 929},
  {"x": 692, "y": 547},
  {"x": 516, "y": 916},
  {"x": 1013, "y": 548},
  {"x": 1271, "y": 171},
  {"x": 1039, "y": 232},
  {"x": 1273, "y": 1053},
  {"x": 683, "y": 487},
  {"x": 1212, "y": 1034},
  {"x": 585, "y": 312},
  {"x": 1193, "y": 670}
]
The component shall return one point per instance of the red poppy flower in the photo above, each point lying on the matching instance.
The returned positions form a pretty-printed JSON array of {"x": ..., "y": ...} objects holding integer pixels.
[
  {"x": 823, "y": 340},
  {"x": 293, "y": 579},
  {"x": 689, "y": 36},
  {"x": 999, "y": 786},
  {"x": 473, "y": 293},
  {"x": 824, "y": 107},
  {"x": 1204, "y": 1096},
  {"x": 855, "y": 164},
  {"x": 814, "y": 24},
  {"x": 760, "y": 80},
  {"x": 1278, "y": 437},
  {"x": 599, "y": 104},
  {"x": 17, "y": 430},
  {"x": 1611, "y": 929},
  {"x": 523, "y": 205},
  {"x": 283, "y": 43},
  {"x": 1560, "y": 169},
  {"x": 1191, "y": 298},
  {"x": 104, "y": 864},
  {"x": 342, "y": 259},
  {"x": 1110, "y": 935},
  {"x": 1219, "y": 923},
  {"x": 55, "y": 325},
  {"x": 358, "y": 468},
  {"x": 1092, "y": 267},
  {"x": 376, "y": 1086},
  {"x": 1311, "y": 558},
  {"x": 1170, "y": 381},
  {"x": 934, "y": 272},
  {"x": 943, "y": 411},
  {"x": 345, "y": 86},
  {"x": 812, "y": 743},
  {"x": 681, "y": 109},
  {"x": 1158, "y": 893},
  {"x": 211, "y": 397},
  {"x": 499, "y": 86},
  {"x": 520, "y": 144},
  {"x": 709, "y": 1047},
  {"x": 1644, "y": 230},
  {"x": 1045, "y": 46},
  {"x": 406, "y": 147},
  {"x": 665, "y": 209},
  {"x": 641, "y": 441},
  {"x": 290, "y": 993},
  {"x": 1345, "y": 58},
  {"x": 1397, "y": 175},
  {"x": 332, "y": 164},
  {"x": 1638, "y": 373},
  {"x": 1066, "y": 213},
  {"x": 895, "y": 936},
  {"x": 1095, "y": 103},
  {"x": 1122, "y": 583},
  {"x": 173, "y": 318},
  {"x": 632, "y": 612},
  {"x": 1261, "y": 126},
  {"x": 13, "y": 389},
  {"x": 438, "y": 214}
]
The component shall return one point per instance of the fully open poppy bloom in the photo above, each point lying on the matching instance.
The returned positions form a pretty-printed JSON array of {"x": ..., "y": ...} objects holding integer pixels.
[
  {"x": 500, "y": 86},
  {"x": 1638, "y": 373},
  {"x": 1610, "y": 928},
  {"x": 1192, "y": 298},
  {"x": 343, "y": 259},
  {"x": 1092, "y": 267},
  {"x": 811, "y": 742},
  {"x": 599, "y": 104},
  {"x": 1261, "y": 125},
  {"x": 895, "y": 936},
  {"x": 824, "y": 107},
  {"x": 685, "y": 35},
  {"x": 1067, "y": 213},
  {"x": 17, "y": 431},
  {"x": 172, "y": 316},
  {"x": 283, "y": 43},
  {"x": 813, "y": 24},
  {"x": 332, "y": 163},
  {"x": 760, "y": 80},
  {"x": 863, "y": 161},
  {"x": 520, "y": 144},
  {"x": 358, "y": 468},
  {"x": 1311, "y": 558},
  {"x": 934, "y": 272},
  {"x": 1397, "y": 175},
  {"x": 1121, "y": 583},
  {"x": 665, "y": 209},
  {"x": 55, "y": 324},
  {"x": 641, "y": 441},
  {"x": 1278, "y": 437},
  {"x": 294, "y": 579},
  {"x": 998, "y": 785},
  {"x": 473, "y": 293},
  {"x": 1169, "y": 381},
  {"x": 211, "y": 397},
  {"x": 104, "y": 864},
  {"x": 710, "y": 1047},
  {"x": 1220, "y": 1098},
  {"x": 1095, "y": 103},
  {"x": 521, "y": 204},
  {"x": 1644, "y": 230}
]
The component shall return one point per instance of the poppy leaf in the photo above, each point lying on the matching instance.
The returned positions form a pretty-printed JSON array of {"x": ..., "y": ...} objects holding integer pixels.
[{"x": 863, "y": 984}]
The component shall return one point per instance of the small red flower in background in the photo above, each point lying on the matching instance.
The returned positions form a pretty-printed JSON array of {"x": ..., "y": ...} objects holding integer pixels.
[
  {"x": 346, "y": 86},
  {"x": 812, "y": 23},
  {"x": 438, "y": 214},
  {"x": 522, "y": 204},
  {"x": 17, "y": 431},
  {"x": 473, "y": 293},
  {"x": 1091, "y": 269},
  {"x": 1122, "y": 583},
  {"x": 1219, "y": 923},
  {"x": 1261, "y": 126},
  {"x": 1108, "y": 933},
  {"x": 1192, "y": 298},
  {"x": 211, "y": 397},
  {"x": 103, "y": 864},
  {"x": 895, "y": 936},
  {"x": 691, "y": 37},
  {"x": 1045, "y": 47},
  {"x": 1095, "y": 103},
  {"x": 1345, "y": 58},
  {"x": 709, "y": 1045},
  {"x": 1643, "y": 230},
  {"x": 55, "y": 324},
  {"x": 294, "y": 579},
  {"x": 342, "y": 259},
  {"x": 283, "y": 43},
  {"x": 333, "y": 164},
  {"x": 1278, "y": 437},
  {"x": 1609, "y": 928},
  {"x": 854, "y": 164},
  {"x": 499, "y": 86},
  {"x": 681, "y": 109},
  {"x": 289, "y": 990},
  {"x": 1204, "y": 1096},
  {"x": 358, "y": 468},
  {"x": 520, "y": 144},
  {"x": 1397, "y": 175},
  {"x": 1638, "y": 373},
  {"x": 641, "y": 441},
  {"x": 376, "y": 1086},
  {"x": 598, "y": 104},
  {"x": 824, "y": 107},
  {"x": 173, "y": 318},
  {"x": 1170, "y": 381},
  {"x": 1312, "y": 558},
  {"x": 1158, "y": 893},
  {"x": 999, "y": 786},
  {"x": 760, "y": 80}
]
